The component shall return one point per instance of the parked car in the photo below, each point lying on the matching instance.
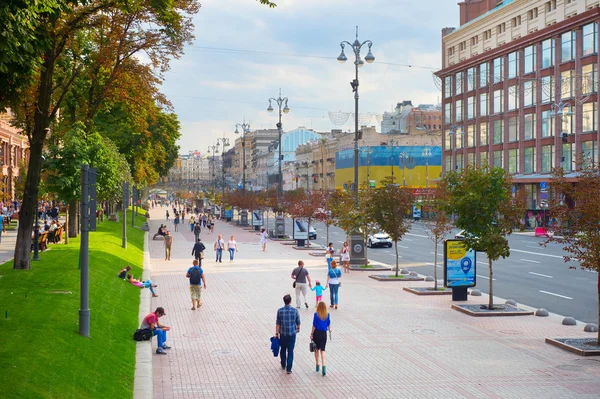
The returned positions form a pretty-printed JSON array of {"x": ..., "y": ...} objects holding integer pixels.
[
  {"x": 380, "y": 239},
  {"x": 460, "y": 235}
]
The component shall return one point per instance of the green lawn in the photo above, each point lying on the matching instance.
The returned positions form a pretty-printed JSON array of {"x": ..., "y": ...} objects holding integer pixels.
[{"x": 41, "y": 353}]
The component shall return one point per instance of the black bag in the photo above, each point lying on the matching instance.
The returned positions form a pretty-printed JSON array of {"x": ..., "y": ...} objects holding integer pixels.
[
  {"x": 143, "y": 334},
  {"x": 195, "y": 276},
  {"x": 294, "y": 285},
  {"x": 312, "y": 346}
]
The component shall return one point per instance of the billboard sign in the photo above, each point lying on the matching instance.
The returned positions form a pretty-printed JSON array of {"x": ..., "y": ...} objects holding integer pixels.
[
  {"x": 459, "y": 264},
  {"x": 257, "y": 218},
  {"x": 416, "y": 211},
  {"x": 228, "y": 211},
  {"x": 300, "y": 230}
]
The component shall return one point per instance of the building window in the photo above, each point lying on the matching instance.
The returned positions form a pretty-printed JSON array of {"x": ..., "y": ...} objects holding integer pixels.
[
  {"x": 589, "y": 43},
  {"x": 487, "y": 34},
  {"x": 513, "y": 65},
  {"x": 589, "y": 73},
  {"x": 448, "y": 162},
  {"x": 547, "y": 89},
  {"x": 470, "y": 107},
  {"x": 550, "y": 6},
  {"x": 547, "y": 158},
  {"x": 458, "y": 116},
  {"x": 513, "y": 97},
  {"x": 483, "y": 134},
  {"x": 529, "y": 93},
  {"x": 529, "y": 158},
  {"x": 471, "y": 79},
  {"x": 567, "y": 46},
  {"x": 516, "y": 21},
  {"x": 484, "y": 72},
  {"x": 448, "y": 113},
  {"x": 589, "y": 152},
  {"x": 498, "y": 131},
  {"x": 529, "y": 59},
  {"x": 470, "y": 136},
  {"x": 589, "y": 116},
  {"x": 513, "y": 129},
  {"x": 498, "y": 159},
  {"x": 498, "y": 69},
  {"x": 471, "y": 159},
  {"x": 462, "y": 46},
  {"x": 458, "y": 83},
  {"x": 568, "y": 121},
  {"x": 498, "y": 101},
  {"x": 547, "y": 53},
  {"x": 447, "y": 140},
  {"x": 459, "y": 162},
  {"x": 532, "y": 14},
  {"x": 547, "y": 124},
  {"x": 501, "y": 28},
  {"x": 448, "y": 86},
  {"x": 513, "y": 161},
  {"x": 529, "y": 127},
  {"x": 567, "y": 157},
  {"x": 484, "y": 158},
  {"x": 483, "y": 104},
  {"x": 567, "y": 89},
  {"x": 474, "y": 40}
]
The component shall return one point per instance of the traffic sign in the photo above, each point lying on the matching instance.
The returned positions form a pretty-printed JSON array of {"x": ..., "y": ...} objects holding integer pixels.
[{"x": 544, "y": 185}]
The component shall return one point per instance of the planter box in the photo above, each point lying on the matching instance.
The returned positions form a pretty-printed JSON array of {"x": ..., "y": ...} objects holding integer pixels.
[
  {"x": 428, "y": 291},
  {"x": 402, "y": 278},
  {"x": 499, "y": 310},
  {"x": 578, "y": 346}
]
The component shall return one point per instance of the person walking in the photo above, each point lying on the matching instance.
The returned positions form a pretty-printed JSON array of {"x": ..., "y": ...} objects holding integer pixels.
[
  {"x": 333, "y": 283},
  {"x": 196, "y": 276},
  {"x": 168, "y": 243},
  {"x": 204, "y": 219},
  {"x": 192, "y": 223},
  {"x": 329, "y": 254},
  {"x": 263, "y": 239},
  {"x": 232, "y": 248},
  {"x": 167, "y": 215},
  {"x": 210, "y": 224},
  {"x": 300, "y": 275},
  {"x": 287, "y": 325},
  {"x": 219, "y": 246},
  {"x": 318, "y": 288},
  {"x": 198, "y": 251},
  {"x": 159, "y": 330},
  {"x": 318, "y": 334},
  {"x": 345, "y": 257},
  {"x": 197, "y": 230},
  {"x": 176, "y": 222}
]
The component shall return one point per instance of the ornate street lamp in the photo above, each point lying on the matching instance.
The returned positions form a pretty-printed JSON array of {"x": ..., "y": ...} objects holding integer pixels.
[{"x": 245, "y": 129}]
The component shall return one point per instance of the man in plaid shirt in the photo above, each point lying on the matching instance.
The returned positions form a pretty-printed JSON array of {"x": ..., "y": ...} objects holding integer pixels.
[{"x": 286, "y": 328}]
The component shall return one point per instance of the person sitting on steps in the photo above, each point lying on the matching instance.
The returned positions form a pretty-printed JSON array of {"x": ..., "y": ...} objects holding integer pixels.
[{"x": 162, "y": 231}]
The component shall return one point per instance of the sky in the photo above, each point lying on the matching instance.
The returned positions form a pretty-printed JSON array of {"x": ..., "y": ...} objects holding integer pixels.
[{"x": 245, "y": 52}]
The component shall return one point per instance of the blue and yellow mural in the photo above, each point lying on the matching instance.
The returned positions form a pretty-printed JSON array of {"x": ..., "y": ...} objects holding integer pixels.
[{"x": 412, "y": 166}]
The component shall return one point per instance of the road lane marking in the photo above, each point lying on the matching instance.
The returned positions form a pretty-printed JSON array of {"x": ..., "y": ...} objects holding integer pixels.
[
  {"x": 402, "y": 246},
  {"x": 487, "y": 278},
  {"x": 536, "y": 253},
  {"x": 542, "y": 275},
  {"x": 483, "y": 263},
  {"x": 532, "y": 261},
  {"x": 551, "y": 293},
  {"x": 407, "y": 239},
  {"x": 536, "y": 247},
  {"x": 416, "y": 235}
]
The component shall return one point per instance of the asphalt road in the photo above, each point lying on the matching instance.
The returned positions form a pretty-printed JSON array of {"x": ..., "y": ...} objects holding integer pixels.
[{"x": 533, "y": 275}]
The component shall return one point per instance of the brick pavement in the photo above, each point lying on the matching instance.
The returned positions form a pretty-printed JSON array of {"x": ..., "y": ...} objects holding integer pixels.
[{"x": 387, "y": 343}]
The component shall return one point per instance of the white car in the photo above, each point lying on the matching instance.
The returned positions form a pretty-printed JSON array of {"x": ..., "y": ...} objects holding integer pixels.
[{"x": 380, "y": 239}]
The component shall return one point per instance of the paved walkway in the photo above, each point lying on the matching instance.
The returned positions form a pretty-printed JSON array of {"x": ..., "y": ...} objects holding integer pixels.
[{"x": 387, "y": 343}]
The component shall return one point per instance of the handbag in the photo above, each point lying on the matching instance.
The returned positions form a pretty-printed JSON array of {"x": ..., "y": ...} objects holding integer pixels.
[
  {"x": 201, "y": 255},
  {"x": 294, "y": 285},
  {"x": 312, "y": 346}
]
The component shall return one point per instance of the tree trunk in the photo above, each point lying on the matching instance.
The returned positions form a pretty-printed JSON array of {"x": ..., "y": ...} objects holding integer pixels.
[
  {"x": 73, "y": 218},
  {"x": 396, "y": 248},
  {"x": 435, "y": 250},
  {"x": 308, "y": 234},
  {"x": 599, "y": 307},
  {"x": 66, "y": 232},
  {"x": 41, "y": 122},
  {"x": 491, "y": 300}
]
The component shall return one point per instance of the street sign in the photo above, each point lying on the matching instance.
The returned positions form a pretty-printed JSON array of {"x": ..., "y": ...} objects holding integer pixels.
[
  {"x": 372, "y": 184},
  {"x": 514, "y": 189},
  {"x": 544, "y": 196},
  {"x": 544, "y": 185}
]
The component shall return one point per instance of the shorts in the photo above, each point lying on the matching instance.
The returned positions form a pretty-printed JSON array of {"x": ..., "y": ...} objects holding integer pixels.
[
  {"x": 320, "y": 339},
  {"x": 195, "y": 292}
]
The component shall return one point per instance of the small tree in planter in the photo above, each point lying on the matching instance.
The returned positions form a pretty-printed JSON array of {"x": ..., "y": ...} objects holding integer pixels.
[
  {"x": 390, "y": 207},
  {"x": 482, "y": 200},
  {"x": 326, "y": 214},
  {"x": 438, "y": 223},
  {"x": 303, "y": 207},
  {"x": 576, "y": 208}
]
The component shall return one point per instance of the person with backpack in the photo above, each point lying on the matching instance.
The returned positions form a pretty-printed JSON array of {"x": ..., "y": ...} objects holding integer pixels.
[
  {"x": 196, "y": 276},
  {"x": 159, "y": 330},
  {"x": 198, "y": 251},
  {"x": 333, "y": 282}
]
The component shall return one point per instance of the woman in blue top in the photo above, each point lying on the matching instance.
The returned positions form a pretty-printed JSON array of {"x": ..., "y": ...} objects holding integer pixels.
[
  {"x": 333, "y": 282},
  {"x": 321, "y": 323}
]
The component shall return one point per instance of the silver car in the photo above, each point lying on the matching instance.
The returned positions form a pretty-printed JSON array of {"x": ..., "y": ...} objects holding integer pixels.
[{"x": 380, "y": 239}]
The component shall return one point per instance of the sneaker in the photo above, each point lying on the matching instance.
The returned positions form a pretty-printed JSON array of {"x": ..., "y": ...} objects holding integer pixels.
[
  {"x": 317, "y": 368},
  {"x": 165, "y": 346},
  {"x": 297, "y": 307},
  {"x": 160, "y": 351},
  {"x": 324, "y": 371},
  {"x": 289, "y": 371},
  {"x": 282, "y": 367},
  {"x": 306, "y": 304},
  {"x": 194, "y": 308}
]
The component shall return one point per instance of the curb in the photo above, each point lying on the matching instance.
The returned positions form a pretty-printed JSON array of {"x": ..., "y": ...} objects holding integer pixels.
[{"x": 143, "y": 385}]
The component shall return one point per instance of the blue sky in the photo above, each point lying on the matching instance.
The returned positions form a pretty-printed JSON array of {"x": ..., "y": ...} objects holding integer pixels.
[{"x": 213, "y": 89}]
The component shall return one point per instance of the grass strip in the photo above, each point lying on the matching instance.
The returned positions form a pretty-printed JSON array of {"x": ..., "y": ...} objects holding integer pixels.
[{"x": 42, "y": 355}]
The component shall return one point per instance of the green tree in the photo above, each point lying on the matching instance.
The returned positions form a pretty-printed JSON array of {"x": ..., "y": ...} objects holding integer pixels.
[
  {"x": 481, "y": 198},
  {"x": 576, "y": 207},
  {"x": 390, "y": 207}
]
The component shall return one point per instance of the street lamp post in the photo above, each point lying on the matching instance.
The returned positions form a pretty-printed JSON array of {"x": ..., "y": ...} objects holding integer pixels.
[
  {"x": 245, "y": 128},
  {"x": 215, "y": 150},
  {"x": 225, "y": 142},
  {"x": 403, "y": 156},
  {"x": 369, "y": 151},
  {"x": 356, "y": 46},
  {"x": 280, "y": 102},
  {"x": 426, "y": 152}
]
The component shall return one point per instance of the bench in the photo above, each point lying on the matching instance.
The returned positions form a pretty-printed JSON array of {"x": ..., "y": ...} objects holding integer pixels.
[{"x": 158, "y": 235}]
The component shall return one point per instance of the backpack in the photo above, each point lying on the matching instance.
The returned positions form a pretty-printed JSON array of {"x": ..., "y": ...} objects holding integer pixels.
[
  {"x": 195, "y": 276},
  {"x": 143, "y": 334}
]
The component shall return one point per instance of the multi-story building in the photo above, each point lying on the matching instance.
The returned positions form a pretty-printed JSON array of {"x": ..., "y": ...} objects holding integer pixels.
[
  {"x": 520, "y": 88},
  {"x": 395, "y": 121},
  {"x": 425, "y": 118},
  {"x": 14, "y": 152}
]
